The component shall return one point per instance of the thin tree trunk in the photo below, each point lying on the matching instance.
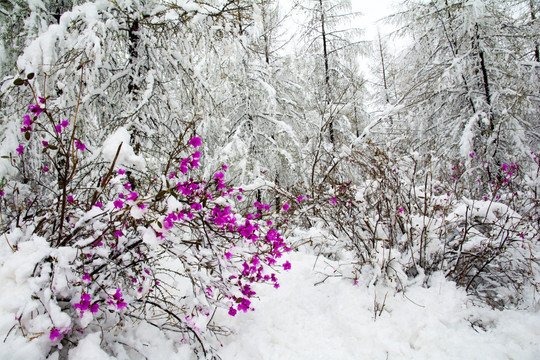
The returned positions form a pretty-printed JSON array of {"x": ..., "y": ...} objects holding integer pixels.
[{"x": 326, "y": 69}]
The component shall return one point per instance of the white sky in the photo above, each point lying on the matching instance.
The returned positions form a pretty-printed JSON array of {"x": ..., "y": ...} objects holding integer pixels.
[{"x": 372, "y": 11}]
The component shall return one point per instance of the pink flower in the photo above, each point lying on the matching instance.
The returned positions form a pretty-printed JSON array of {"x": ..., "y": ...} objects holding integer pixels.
[
  {"x": 98, "y": 204},
  {"x": 84, "y": 304},
  {"x": 400, "y": 210},
  {"x": 118, "y": 204},
  {"x": 27, "y": 120},
  {"x": 55, "y": 335},
  {"x": 45, "y": 143},
  {"x": 225, "y": 167},
  {"x": 132, "y": 195},
  {"x": 58, "y": 128},
  {"x": 195, "y": 142},
  {"x": 121, "y": 171},
  {"x": 64, "y": 123},
  {"x": 41, "y": 100},
  {"x": 20, "y": 149},
  {"x": 300, "y": 198},
  {"x": 232, "y": 311},
  {"x": 167, "y": 224},
  {"x": 79, "y": 145},
  {"x": 287, "y": 265},
  {"x": 70, "y": 199},
  {"x": 286, "y": 207},
  {"x": 35, "y": 109},
  {"x": 196, "y": 206},
  {"x": 45, "y": 168},
  {"x": 244, "y": 305},
  {"x": 118, "y": 233},
  {"x": 86, "y": 278},
  {"x": 118, "y": 300},
  {"x": 121, "y": 305}
]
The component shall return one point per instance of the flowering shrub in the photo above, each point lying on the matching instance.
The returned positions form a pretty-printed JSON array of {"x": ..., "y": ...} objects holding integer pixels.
[
  {"x": 401, "y": 221},
  {"x": 99, "y": 250}
]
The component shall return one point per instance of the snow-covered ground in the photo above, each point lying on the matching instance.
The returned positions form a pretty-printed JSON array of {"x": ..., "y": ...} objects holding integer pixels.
[{"x": 333, "y": 320}]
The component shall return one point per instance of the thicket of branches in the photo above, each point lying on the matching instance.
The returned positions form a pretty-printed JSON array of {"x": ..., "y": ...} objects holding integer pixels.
[{"x": 126, "y": 123}]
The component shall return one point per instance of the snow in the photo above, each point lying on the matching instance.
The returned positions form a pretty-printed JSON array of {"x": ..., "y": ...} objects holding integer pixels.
[
  {"x": 127, "y": 156},
  {"x": 312, "y": 316},
  {"x": 336, "y": 320},
  {"x": 88, "y": 349}
]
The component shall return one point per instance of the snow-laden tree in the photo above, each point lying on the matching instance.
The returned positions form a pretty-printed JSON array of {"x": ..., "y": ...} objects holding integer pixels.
[
  {"x": 332, "y": 44},
  {"x": 21, "y": 21},
  {"x": 253, "y": 87},
  {"x": 468, "y": 84}
]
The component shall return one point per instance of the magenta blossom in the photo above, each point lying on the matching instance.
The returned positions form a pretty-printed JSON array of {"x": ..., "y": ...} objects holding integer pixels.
[
  {"x": 85, "y": 304},
  {"x": 118, "y": 300},
  {"x": 132, "y": 195},
  {"x": 196, "y": 206},
  {"x": 27, "y": 120},
  {"x": 55, "y": 335},
  {"x": 35, "y": 109},
  {"x": 286, "y": 207},
  {"x": 195, "y": 142},
  {"x": 79, "y": 145},
  {"x": 287, "y": 265},
  {"x": 20, "y": 149}
]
